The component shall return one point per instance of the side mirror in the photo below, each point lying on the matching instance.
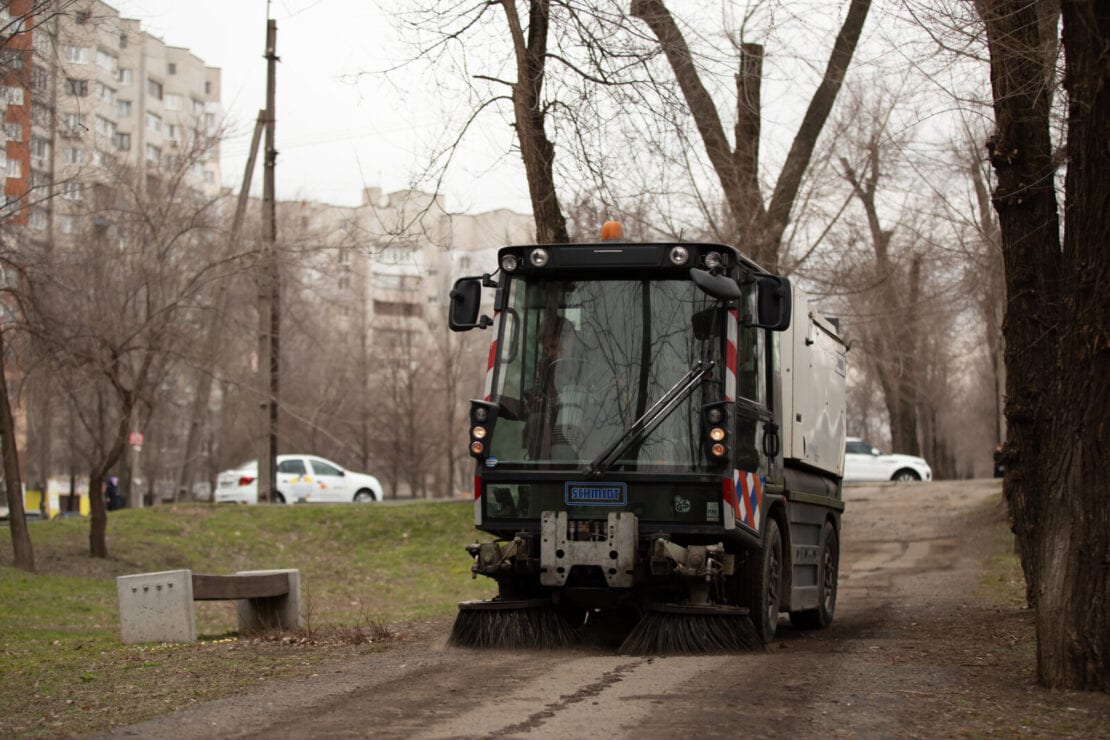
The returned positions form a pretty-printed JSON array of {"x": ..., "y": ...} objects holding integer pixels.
[
  {"x": 773, "y": 302},
  {"x": 466, "y": 299}
]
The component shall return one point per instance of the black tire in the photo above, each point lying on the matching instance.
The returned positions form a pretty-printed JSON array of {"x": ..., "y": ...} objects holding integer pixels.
[
  {"x": 828, "y": 570},
  {"x": 763, "y": 583},
  {"x": 365, "y": 496},
  {"x": 905, "y": 475},
  {"x": 278, "y": 498}
]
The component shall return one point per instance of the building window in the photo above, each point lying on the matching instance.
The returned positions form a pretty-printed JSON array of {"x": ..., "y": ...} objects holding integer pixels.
[
  {"x": 77, "y": 87},
  {"x": 40, "y": 152},
  {"x": 40, "y": 78},
  {"x": 105, "y": 93},
  {"x": 344, "y": 282},
  {"x": 171, "y": 68},
  {"x": 173, "y": 132},
  {"x": 207, "y": 87},
  {"x": 75, "y": 54},
  {"x": 123, "y": 142},
  {"x": 393, "y": 308},
  {"x": 66, "y": 224},
  {"x": 125, "y": 76},
  {"x": 37, "y": 220},
  {"x": 123, "y": 109},
  {"x": 123, "y": 41},
  {"x": 153, "y": 153},
  {"x": 15, "y": 168},
  {"x": 154, "y": 89},
  {"x": 73, "y": 155},
  {"x": 81, "y": 17},
  {"x": 41, "y": 115},
  {"x": 74, "y": 124},
  {"x": 13, "y": 94},
  {"x": 173, "y": 101},
  {"x": 11, "y": 59},
  {"x": 105, "y": 127},
  {"x": 71, "y": 190},
  {"x": 13, "y": 131},
  {"x": 153, "y": 122},
  {"x": 106, "y": 61},
  {"x": 198, "y": 107}
]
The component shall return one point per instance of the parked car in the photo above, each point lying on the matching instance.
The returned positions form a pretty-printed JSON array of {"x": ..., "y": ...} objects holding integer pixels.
[
  {"x": 300, "y": 479},
  {"x": 865, "y": 462}
]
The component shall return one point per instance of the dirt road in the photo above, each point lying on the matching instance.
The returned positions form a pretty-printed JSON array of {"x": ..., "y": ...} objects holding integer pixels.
[{"x": 917, "y": 650}]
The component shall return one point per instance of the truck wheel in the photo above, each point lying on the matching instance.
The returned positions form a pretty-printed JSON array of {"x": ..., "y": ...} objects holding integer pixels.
[
  {"x": 764, "y": 583},
  {"x": 828, "y": 569}
]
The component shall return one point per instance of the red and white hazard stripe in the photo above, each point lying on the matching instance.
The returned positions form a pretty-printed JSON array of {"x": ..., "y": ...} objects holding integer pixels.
[
  {"x": 730, "y": 354},
  {"x": 492, "y": 356}
]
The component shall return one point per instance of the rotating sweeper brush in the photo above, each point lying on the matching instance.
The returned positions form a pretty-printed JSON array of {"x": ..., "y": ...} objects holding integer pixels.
[
  {"x": 676, "y": 629},
  {"x": 521, "y": 623}
]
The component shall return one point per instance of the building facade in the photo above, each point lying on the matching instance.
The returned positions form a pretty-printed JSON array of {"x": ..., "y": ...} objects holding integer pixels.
[{"x": 87, "y": 91}]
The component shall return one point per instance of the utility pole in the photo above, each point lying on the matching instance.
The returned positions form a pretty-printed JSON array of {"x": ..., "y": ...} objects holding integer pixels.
[
  {"x": 269, "y": 300},
  {"x": 214, "y": 334}
]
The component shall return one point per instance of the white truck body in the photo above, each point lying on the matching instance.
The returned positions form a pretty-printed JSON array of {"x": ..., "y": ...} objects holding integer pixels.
[{"x": 814, "y": 364}]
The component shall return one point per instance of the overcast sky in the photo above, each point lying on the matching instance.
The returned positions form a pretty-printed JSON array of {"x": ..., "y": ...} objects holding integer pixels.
[{"x": 337, "y": 129}]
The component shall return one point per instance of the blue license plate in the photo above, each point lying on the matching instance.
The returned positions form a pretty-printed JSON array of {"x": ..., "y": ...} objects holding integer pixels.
[{"x": 596, "y": 494}]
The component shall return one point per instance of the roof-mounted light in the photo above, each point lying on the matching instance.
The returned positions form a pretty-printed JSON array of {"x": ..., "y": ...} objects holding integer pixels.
[
  {"x": 679, "y": 255},
  {"x": 538, "y": 257},
  {"x": 611, "y": 230},
  {"x": 712, "y": 260},
  {"x": 509, "y": 262}
]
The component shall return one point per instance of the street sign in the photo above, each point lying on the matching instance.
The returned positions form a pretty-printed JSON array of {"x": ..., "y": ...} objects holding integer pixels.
[{"x": 136, "y": 439}]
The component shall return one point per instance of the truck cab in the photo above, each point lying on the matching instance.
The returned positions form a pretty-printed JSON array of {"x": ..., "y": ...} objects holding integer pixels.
[{"x": 641, "y": 441}]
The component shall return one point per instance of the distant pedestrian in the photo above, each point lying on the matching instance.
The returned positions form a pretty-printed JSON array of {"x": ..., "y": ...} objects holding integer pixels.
[
  {"x": 111, "y": 494},
  {"x": 999, "y": 468}
]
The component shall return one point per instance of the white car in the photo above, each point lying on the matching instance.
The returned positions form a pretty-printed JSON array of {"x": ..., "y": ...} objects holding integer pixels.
[
  {"x": 300, "y": 479},
  {"x": 863, "y": 462}
]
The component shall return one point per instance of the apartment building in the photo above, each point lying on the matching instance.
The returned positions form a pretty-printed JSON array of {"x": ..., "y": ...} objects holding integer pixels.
[
  {"x": 86, "y": 91},
  {"x": 387, "y": 265}
]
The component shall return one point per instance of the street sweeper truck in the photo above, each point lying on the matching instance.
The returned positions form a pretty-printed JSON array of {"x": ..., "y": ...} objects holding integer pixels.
[{"x": 658, "y": 450}]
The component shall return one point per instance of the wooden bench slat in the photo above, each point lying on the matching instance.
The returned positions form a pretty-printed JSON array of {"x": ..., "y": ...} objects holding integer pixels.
[{"x": 264, "y": 585}]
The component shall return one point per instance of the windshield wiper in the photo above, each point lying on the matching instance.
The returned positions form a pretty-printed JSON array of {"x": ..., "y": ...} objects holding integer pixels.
[{"x": 651, "y": 418}]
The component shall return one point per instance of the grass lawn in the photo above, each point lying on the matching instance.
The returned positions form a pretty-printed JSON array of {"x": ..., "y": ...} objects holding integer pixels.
[{"x": 364, "y": 569}]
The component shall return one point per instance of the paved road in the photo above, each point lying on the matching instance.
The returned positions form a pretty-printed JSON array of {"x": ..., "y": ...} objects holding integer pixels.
[{"x": 908, "y": 574}]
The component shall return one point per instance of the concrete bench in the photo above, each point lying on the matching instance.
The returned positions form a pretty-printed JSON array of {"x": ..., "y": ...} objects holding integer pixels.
[{"x": 158, "y": 607}]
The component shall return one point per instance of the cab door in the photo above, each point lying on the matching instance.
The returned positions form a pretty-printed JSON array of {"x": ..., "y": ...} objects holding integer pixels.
[
  {"x": 293, "y": 479},
  {"x": 330, "y": 483}
]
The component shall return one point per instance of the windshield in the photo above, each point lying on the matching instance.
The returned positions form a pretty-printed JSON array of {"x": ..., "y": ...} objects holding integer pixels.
[{"x": 581, "y": 361}]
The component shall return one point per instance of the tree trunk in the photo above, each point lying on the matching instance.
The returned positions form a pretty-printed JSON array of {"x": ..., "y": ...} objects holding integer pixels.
[
  {"x": 1074, "y": 600},
  {"x": 536, "y": 150},
  {"x": 1056, "y": 332},
  {"x": 21, "y": 538}
]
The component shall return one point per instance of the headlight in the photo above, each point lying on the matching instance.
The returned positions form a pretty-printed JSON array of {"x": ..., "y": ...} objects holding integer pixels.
[
  {"x": 478, "y": 432},
  {"x": 679, "y": 255},
  {"x": 476, "y": 447},
  {"x": 718, "y": 450},
  {"x": 712, "y": 260},
  {"x": 509, "y": 262},
  {"x": 481, "y": 413},
  {"x": 715, "y": 415},
  {"x": 538, "y": 257},
  {"x": 716, "y": 434}
]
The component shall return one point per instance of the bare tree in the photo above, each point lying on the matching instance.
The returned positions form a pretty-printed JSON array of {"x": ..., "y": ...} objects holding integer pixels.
[
  {"x": 145, "y": 254},
  {"x": 752, "y": 220},
  {"x": 1056, "y": 329}
]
